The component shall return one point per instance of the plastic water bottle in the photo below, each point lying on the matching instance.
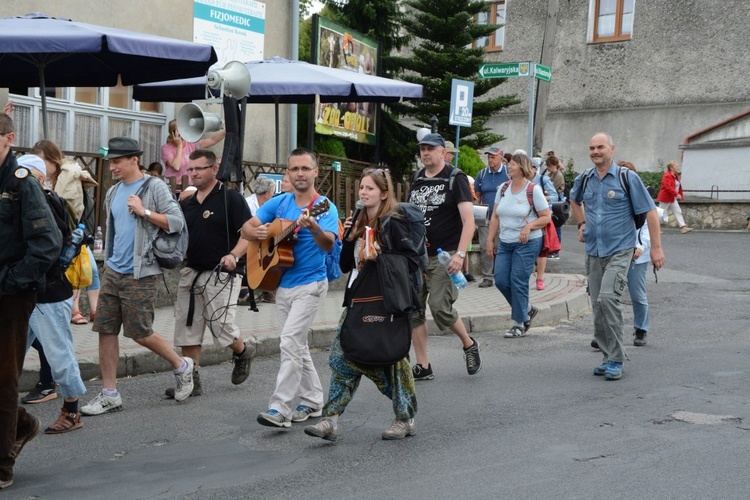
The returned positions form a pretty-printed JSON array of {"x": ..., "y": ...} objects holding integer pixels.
[
  {"x": 71, "y": 248},
  {"x": 98, "y": 241},
  {"x": 458, "y": 278}
]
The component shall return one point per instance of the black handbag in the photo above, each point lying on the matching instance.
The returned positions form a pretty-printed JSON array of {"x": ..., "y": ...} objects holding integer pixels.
[{"x": 369, "y": 335}]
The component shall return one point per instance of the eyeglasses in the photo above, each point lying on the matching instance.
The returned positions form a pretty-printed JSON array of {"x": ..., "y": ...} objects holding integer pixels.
[
  {"x": 3, "y": 134},
  {"x": 198, "y": 169},
  {"x": 305, "y": 169}
]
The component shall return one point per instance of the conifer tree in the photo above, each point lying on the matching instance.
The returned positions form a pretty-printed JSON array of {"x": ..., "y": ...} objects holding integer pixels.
[{"x": 443, "y": 32}]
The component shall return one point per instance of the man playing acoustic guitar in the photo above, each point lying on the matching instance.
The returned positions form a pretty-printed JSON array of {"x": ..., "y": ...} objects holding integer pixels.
[{"x": 302, "y": 287}]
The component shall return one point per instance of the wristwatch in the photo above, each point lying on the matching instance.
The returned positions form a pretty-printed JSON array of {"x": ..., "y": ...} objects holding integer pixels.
[
  {"x": 461, "y": 254},
  {"x": 147, "y": 214}
]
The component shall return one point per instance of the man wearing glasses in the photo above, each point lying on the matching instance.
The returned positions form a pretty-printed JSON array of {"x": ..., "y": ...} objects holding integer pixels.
[
  {"x": 301, "y": 291},
  {"x": 128, "y": 290},
  {"x": 31, "y": 245},
  {"x": 209, "y": 287}
]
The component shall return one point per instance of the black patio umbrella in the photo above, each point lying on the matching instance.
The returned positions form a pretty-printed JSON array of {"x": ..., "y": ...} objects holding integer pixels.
[{"x": 39, "y": 51}]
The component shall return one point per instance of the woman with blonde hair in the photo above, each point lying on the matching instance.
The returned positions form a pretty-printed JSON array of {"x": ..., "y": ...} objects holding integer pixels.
[
  {"x": 68, "y": 179},
  {"x": 671, "y": 192},
  {"x": 520, "y": 225},
  {"x": 396, "y": 381}
]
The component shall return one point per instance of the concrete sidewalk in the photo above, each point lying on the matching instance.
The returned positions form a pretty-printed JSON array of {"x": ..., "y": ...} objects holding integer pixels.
[{"x": 482, "y": 310}]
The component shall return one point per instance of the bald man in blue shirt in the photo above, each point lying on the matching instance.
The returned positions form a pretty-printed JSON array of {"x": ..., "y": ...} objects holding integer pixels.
[{"x": 606, "y": 225}]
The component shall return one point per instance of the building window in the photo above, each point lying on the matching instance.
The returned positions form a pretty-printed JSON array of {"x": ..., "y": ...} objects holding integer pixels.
[
  {"x": 613, "y": 20},
  {"x": 496, "y": 15},
  {"x": 88, "y": 95},
  {"x": 119, "y": 97}
]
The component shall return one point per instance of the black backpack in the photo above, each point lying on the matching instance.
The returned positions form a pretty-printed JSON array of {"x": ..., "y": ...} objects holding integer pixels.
[
  {"x": 639, "y": 219},
  {"x": 418, "y": 232}
]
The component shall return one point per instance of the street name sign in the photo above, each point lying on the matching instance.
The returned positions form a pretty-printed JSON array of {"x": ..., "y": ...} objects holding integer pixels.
[
  {"x": 504, "y": 70},
  {"x": 543, "y": 72}
]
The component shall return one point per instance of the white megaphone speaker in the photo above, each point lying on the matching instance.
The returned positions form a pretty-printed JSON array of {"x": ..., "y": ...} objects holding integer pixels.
[
  {"x": 193, "y": 122},
  {"x": 421, "y": 133},
  {"x": 234, "y": 80}
]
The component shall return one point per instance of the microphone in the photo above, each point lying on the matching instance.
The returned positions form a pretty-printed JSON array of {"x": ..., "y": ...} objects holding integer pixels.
[{"x": 357, "y": 210}]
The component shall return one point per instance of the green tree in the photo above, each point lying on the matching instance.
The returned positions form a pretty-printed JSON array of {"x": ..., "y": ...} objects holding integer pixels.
[{"x": 444, "y": 31}]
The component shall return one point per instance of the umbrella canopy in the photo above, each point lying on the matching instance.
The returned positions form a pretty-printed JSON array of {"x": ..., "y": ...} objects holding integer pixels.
[
  {"x": 278, "y": 80},
  {"x": 39, "y": 51},
  {"x": 281, "y": 81}
]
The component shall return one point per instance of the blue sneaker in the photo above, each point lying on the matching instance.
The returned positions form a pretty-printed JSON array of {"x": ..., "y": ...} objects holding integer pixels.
[
  {"x": 599, "y": 371},
  {"x": 272, "y": 418},
  {"x": 614, "y": 371},
  {"x": 303, "y": 412}
]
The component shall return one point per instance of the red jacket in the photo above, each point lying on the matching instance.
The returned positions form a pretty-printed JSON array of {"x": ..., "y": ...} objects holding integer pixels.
[{"x": 668, "y": 193}]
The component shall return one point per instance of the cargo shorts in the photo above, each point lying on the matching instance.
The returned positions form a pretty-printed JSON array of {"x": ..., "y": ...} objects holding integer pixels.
[{"x": 127, "y": 303}]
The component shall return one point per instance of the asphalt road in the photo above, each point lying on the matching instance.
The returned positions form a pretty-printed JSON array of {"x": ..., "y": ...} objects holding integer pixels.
[{"x": 534, "y": 423}]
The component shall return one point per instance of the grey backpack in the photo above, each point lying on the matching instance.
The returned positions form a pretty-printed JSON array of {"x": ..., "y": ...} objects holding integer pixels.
[{"x": 169, "y": 248}]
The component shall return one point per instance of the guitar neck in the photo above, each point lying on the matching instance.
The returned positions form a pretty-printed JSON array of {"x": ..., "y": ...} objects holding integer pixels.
[
  {"x": 284, "y": 234},
  {"x": 312, "y": 212}
]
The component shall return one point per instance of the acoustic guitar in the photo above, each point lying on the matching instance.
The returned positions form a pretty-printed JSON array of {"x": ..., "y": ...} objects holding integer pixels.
[{"x": 267, "y": 260}]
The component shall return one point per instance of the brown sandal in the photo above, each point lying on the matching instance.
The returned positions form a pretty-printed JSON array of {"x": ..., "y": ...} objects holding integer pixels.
[
  {"x": 66, "y": 422},
  {"x": 78, "y": 318}
]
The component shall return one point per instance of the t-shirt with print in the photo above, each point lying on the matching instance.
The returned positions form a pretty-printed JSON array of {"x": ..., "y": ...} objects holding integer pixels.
[
  {"x": 309, "y": 259},
  {"x": 440, "y": 207},
  {"x": 514, "y": 212}
]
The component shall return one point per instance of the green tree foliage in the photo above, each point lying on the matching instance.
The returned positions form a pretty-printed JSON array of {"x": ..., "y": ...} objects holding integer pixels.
[
  {"x": 443, "y": 32},
  {"x": 469, "y": 161}
]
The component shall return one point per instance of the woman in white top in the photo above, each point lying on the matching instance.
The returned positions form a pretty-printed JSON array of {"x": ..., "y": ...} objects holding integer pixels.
[{"x": 520, "y": 226}]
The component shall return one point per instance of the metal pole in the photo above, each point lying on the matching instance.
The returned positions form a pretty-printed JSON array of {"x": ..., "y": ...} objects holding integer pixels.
[
  {"x": 276, "y": 109},
  {"x": 458, "y": 133},
  {"x": 295, "y": 57},
  {"x": 532, "y": 79},
  {"x": 43, "y": 94}
]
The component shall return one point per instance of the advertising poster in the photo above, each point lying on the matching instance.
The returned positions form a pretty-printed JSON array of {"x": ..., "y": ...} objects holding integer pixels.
[
  {"x": 342, "y": 48},
  {"x": 235, "y": 28}
]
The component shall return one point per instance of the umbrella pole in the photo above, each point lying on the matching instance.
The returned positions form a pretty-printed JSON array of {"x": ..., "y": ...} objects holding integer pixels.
[
  {"x": 276, "y": 109},
  {"x": 43, "y": 94},
  {"x": 243, "y": 109}
]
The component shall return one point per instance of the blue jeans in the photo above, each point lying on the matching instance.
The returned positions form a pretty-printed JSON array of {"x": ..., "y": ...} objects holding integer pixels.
[
  {"x": 51, "y": 324},
  {"x": 514, "y": 263},
  {"x": 637, "y": 286},
  {"x": 95, "y": 284}
]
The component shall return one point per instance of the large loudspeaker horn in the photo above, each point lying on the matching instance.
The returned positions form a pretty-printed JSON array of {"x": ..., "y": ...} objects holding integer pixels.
[
  {"x": 234, "y": 79},
  {"x": 193, "y": 123}
]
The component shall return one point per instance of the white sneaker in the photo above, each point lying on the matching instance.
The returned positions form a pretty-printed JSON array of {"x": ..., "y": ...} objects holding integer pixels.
[
  {"x": 399, "y": 429},
  {"x": 101, "y": 404},
  {"x": 184, "y": 381}
]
